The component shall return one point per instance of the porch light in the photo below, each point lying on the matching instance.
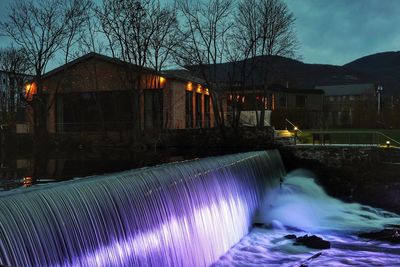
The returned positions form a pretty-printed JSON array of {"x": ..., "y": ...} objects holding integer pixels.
[
  {"x": 189, "y": 86},
  {"x": 30, "y": 90},
  {"x": 387, "y": 143}
]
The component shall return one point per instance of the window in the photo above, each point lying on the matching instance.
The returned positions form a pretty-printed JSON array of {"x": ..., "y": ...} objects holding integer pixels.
[
  {"x": 207, "y": 115},
  {"x": 282, "y": 102},
  {"x": 300, "y": 101},
  {"x": 94, "y": 111},
  {"x": 189, "y": 109},
  {"x": 199, "y": 114},
  {"x": 352, "y": 98},
  {"x": 331, "y": 99},
  {"x": 153, "y": 108}
]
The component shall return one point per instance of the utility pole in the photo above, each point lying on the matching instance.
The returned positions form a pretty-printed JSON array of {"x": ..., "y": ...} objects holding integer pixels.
[{"x": 378, "y": 91}]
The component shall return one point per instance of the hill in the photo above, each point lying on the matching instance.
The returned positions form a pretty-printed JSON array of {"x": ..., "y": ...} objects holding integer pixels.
[
  {"x": 383, "y": 67},
  {"x": 285, "y": 71}
]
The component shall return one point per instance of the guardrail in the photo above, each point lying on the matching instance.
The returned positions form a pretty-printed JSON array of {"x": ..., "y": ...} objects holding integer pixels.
[
  {"x": 294, "y": 126},
  {"x": 352, "y": 137}
]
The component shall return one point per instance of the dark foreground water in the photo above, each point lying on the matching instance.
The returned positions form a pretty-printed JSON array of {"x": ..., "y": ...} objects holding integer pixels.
[{"x": 301, "y": 207}]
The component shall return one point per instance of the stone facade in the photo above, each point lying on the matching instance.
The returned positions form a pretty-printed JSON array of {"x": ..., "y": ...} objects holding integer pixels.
[{"x": 336, "y": 156}]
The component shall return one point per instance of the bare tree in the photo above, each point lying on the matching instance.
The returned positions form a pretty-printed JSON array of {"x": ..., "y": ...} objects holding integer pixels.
[
  {"x": 41, "y": 29},
  {"x": 205, "y": 27},
  {"x": 128, "y": 28},
  {"x": 165, "y": 38},
  {"x": 262, "y": 28},
  {"x": 16, "y": 66},
  {"x": 90, "y": 36},
  {"x": 78, "y": 12},
  {"x": 142, "y": 33}
]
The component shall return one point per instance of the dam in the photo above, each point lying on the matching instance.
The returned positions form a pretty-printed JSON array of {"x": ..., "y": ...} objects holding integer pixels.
[
  {"x": 178, "y": 214},
  {"x": 233, "y": 210}
]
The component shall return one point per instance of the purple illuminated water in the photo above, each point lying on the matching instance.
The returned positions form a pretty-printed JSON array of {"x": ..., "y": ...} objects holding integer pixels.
[
  {"x": 302, "y": 205},
  {"x": 183, "y": 214}
]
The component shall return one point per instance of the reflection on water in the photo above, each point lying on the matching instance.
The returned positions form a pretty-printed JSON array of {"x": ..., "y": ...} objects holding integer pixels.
[{"x": 24, "y": 170}]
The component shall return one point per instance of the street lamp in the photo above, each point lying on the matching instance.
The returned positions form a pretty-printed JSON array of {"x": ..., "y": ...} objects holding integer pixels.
[
  {"x": 295, "y": 134},
  {"x": 378, "y": 91}
]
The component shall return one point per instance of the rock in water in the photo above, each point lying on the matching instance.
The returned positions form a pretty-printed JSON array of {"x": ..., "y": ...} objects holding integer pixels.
[
  {"x": 290, "y": 236},
  {"x": 390, "y": 235},
  {"x": 312, "y": 242}
]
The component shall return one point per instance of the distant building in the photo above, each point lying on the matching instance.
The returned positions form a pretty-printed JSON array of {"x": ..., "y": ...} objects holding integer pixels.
[
  {"x": 96, "y": 93},
  {"x": 301, "y": 106},
  {"x": 12, "y": 103},
  {"x": 353, "y": 105}
]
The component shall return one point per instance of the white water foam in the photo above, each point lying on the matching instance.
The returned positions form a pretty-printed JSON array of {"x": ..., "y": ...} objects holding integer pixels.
[{"x": 302, "y": 207}]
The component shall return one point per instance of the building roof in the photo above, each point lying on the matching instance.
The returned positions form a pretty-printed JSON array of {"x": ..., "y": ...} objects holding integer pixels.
[
  {"x": 348, "y": 89},
  {"x": 100, "y": 57},
  {"x": 281, "y": 88},
  {"x": 183, "y": 75}
]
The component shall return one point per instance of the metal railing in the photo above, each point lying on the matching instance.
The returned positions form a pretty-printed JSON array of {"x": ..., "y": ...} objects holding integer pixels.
[
  {"x": 352, "y": 138},
  {"x": 294, "y": 126}
]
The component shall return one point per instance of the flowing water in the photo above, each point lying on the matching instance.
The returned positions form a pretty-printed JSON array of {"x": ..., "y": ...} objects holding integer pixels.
[
  {"x": 183, "y": 214},
  {"x": 301, "y": 207},
  {"x": 194, "y": 213}
]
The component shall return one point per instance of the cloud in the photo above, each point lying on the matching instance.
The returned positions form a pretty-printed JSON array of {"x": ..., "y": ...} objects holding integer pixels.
[{"x": 336, "y": 32}]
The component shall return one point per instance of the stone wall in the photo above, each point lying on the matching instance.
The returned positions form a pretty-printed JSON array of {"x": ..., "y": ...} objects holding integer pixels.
[{"x": 336, "y": 156}]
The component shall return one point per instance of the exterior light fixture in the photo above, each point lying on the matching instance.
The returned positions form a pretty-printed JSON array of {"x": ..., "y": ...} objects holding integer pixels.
[
  {"x": 189, "y": 86},
  {"x": 295, "y": 128},
  {"x": 387, "y": 143}
]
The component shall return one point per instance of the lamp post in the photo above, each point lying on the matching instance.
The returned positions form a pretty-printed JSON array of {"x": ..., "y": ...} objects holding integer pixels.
[
  {"x": 295, "y": 134},
  {"x": 378, "y": 91}
]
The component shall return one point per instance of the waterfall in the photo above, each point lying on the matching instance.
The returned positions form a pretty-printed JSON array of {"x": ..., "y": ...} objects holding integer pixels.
[{"x": 178, "y": 214}]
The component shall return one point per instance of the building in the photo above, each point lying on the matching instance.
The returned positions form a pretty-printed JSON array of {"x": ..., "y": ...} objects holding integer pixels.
[
  {"x": 97, "y": 93},
  {"x": 353, "y": 105},
  {"x": 301, "y": 106}
]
